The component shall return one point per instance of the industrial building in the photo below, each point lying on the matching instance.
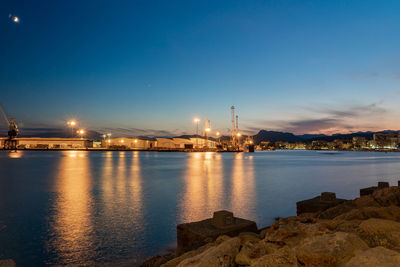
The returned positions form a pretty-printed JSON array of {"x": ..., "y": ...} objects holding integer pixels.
[
  {"x": 159, "y": 143},
  {"x": 129, "y": 143},
  {"x": 50, "y": 143},
  {"x": 389, "y": 140},
  {"x": 202, "y": 143}
]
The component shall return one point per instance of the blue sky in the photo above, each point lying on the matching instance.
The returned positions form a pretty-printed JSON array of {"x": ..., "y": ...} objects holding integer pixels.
[{"x": 144, "y": 66}]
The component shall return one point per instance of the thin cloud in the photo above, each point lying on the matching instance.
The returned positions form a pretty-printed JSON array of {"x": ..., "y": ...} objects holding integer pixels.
[
  {"x": 126, "y": 132},
  {"x": 331, "y": 120}
]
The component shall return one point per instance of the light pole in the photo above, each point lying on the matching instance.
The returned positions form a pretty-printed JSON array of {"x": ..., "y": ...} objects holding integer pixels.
[
  {"x": 218, "y": 134},
  {"x": 238, "y": 141},
  {"x": 197, "y": 120},
  {"x": 207, "y": 130},
  {"x": 72, "y": 124}
]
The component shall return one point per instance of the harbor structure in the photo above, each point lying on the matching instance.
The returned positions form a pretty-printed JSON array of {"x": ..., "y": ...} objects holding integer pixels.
[
  {"x": 129, "y": 143},
  {"x": 49, "y": 143},
  {"x": 233, "y": 136}
]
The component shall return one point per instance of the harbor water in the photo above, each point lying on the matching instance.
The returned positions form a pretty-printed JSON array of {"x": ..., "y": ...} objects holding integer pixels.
[{"x": 84, "y": 208}]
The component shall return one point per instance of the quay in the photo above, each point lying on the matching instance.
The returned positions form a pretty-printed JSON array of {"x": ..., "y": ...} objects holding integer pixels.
[{"x": 196, "y": 144}]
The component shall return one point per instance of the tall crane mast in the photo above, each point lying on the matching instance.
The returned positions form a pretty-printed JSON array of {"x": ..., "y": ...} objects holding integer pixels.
[
  {"x": 237, "y": 124},
  {"x": 4, "y": 116},
  {"x": 10, "y": 143},
  {"x": 233, "y": 127}
]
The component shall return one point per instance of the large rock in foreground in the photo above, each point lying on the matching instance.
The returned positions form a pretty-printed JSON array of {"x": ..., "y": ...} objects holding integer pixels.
[
  {"x": 7, "y": 263},
  {"x": 362, "y": 232}
]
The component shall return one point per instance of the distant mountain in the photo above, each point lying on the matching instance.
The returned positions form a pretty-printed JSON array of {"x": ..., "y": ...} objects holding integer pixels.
[
  {"x": 273, "y": 136},
  {"x": 311, "y": 136},
  {"x": 366, "y": 135}
]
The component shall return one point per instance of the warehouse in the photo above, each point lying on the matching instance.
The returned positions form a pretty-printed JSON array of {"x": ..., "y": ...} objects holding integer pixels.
[
  {"x": 129, "y": 143},
  {"x": 52, "y": 143}
]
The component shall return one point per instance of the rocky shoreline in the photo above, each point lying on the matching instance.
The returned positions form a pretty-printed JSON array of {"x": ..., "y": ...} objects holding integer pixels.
[{"x": 327, "y": 232}]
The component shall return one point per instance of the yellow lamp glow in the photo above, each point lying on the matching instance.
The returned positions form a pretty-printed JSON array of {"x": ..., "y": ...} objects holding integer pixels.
[{"x": 71, "y": 123}]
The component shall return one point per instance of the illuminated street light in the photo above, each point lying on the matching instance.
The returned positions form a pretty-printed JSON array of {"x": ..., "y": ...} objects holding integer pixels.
[
  {"x": 81, "y": 132},
  {"x": 122, "y": 141},
  {"x": 238, "y": 134},
  {"x": 218, "y": 134},
  {"x": 72, "y": 124},
  {"x": 135, "y": 141},
  {"x": 104, "y": 136}
]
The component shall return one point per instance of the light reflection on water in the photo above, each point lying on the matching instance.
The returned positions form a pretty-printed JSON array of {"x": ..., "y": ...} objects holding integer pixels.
[
  {"x": 78, "y": 207},
  {"x": 243, "y": 193},
  {"x": 203, "y": 186},
  {"x": 71, "y": 226}
]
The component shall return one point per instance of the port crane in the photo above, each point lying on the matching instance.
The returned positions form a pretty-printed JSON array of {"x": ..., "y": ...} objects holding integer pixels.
[{"x": 13, "y": 131}]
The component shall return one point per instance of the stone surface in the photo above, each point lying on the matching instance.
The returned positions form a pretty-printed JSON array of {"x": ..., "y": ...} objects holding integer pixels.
[
  {"x": 340, "y": 245},
  {"x": 222, "y": 219},
  {"x": 284, "y": 257},
  {"x": 293, "y": 230},
  {"x": 373, "y": 257},
  {"x": 318, "y": 204},
  {"x": 380, "y": 232},
  {"x": 249, "y": 236},
  {"x": 193, "y": 235},
  {"x": 176, "y": 261},
  {"x": 387, "y": 196},
  {"x": 336, "y": 210},
  {"x": 367, "y": 191},
  {"x": 383, "y": 185},
  {"x": 222, "y": 255},
  {"x": 250, "y": 251},
  {"x": 156, "y": 260},
  {"x": 7, "y": 263},
  {"x": 316, "y": 260},
  {"x": 364, "y": 213},
  {"x": 328, "y": 196}
]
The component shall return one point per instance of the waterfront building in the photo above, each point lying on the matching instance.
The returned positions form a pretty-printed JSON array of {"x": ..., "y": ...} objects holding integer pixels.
[
  {"x": 202, "y": 142},
  {"x": 182, "y": 143},
  {"x": 129, "y": 143},
  {"x": 165, "y": 143},
  {"x": 319, "y": 144},
  {"x": 359, "y": 142},
  {"x": 51, "y": 143},
  {"x": 387, "y": 140}
]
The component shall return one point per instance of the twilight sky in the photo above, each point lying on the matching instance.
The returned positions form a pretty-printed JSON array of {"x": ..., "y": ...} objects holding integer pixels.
[{"x": 150, "y": 67}]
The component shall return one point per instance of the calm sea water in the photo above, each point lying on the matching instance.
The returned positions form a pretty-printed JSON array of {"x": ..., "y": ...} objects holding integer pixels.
[{"x": 117, "y": 207}]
